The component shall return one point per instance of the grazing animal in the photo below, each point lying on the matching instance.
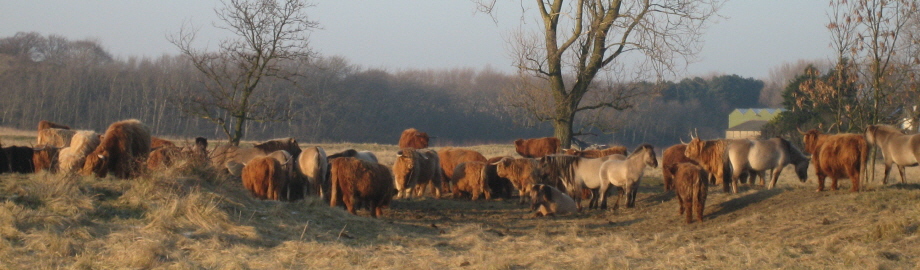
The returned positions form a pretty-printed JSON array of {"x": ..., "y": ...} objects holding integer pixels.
[
  {"x": 314, "y": 169},
  {"x": 549, "y": 201},
  {"x": 166, "y": 156},
  {"x": 450, "y": 158},
  {"x": 44, "y": 124},
  {"x": 233, "y": 157},
  {"x": 469, "y": 178},
  {"x": 417, "y": 168},
  {"x": 123, "y": 150},
  {"x": 55, "y": 137},
  {"x": 523, "y": 173},
  {"x": 358, "y": 183},
  {"x": 598, "y": 153},
  {"x": 672, "y": 156},
  {"x": 758, "y": 156},
  {"x": 538, "y": 147},
  {"x": 501, "y": 187},
  {"x": 16, "y": 159},
  {"x": 627, "y": 174},
  {"x": 265, "y": 178},
  {"x": 897, "y": 148},
  {"x": 690, "y": 184},
  {"x": 158, "y": 142},
  {"x": 836, "y": 156},
  {"x": 587, "y": 177},
  {"x": 363, "y": 155},
  {"x": 72, "y": 158},
  {"x": 412, "y": 138},
  {"x": 711, "y": 156},
  {"x": 45, "y": 158},
  {"x": 559, "y": 171}
]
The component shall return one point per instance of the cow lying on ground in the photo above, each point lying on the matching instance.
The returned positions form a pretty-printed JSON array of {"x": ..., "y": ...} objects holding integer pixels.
[
  {"x": 549, "y": 201},
  {"x": 358, "y": 183},
  {"x": 538, "y": 147},
  {"x": 469, "y": 178},
  {"x": 167, "y": 155},
  {"x": 123, "y": 151},
  {"x": 412, "y": 138},
  {"x": 690, "y": 184}
]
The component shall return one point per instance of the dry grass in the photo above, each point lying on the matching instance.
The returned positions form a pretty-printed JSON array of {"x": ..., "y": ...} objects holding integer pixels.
[{"x": 191, "y": 217}]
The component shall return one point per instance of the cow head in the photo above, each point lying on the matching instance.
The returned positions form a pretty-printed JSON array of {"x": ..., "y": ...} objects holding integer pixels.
[
  {"x": 96, "y": 163},
  {"x": 811, "y": 140},
  {"x": 503, "y": 167},
  {"x": 404, "y": 169},
  {"x": 694, "y": 147}
]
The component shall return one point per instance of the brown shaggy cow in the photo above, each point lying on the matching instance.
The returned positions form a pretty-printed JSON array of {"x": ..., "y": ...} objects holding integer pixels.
[
  {"x": 45, "y": 158},
  {"x": 55, "y": 137},
  {"x": 711, "y": 156},
  {"x": 672, "y": 156},
  {"x": 837, "y": 156},
  {"x": 501, "y": 187},
  {"x": 72, "y": 158},
  {"x": 265, "y": 178},
  {"x": 538, "y": 147},
  {"x": 522, "y": 172},
  {"x": 412, "y": 138},
  {"x": 44, "y": 124},
  {"x": 690, "y": 184},
  {"x": 598, "y": 153},
  {"x": 168, "y": 155},
  {"x": 469, "y": 178},
  {"x": 123, "y": 151},
  {"x": 158, "y": 142},
  {"x": 417, "y": 168},
  {"x": 358, "y": 183},
  {"x": 451, "y": 157},
  {"x": 549, "y": 201}
]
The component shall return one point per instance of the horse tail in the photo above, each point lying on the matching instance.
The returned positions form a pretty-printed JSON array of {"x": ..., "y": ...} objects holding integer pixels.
[{"x": 863, "y": 156}]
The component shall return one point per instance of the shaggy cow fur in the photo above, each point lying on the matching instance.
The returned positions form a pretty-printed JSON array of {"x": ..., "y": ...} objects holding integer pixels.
[
  {"x": 233, "y": 157},
  {"x": 711, "y": 156},
  {"x": 837, "y": 156},
  {"x": 45, "y": 158},
  {"x": 450, "y": 158},
  {"x": 123, "y": 151},
  {"x": 690, "y": 184},
  {"x": 412, "y": 138},
  {"x": 158, "y": 142},
  {"x": 71, "y": 159},
  {"x": 265, "y": 178},
  {"x": 16, "y": 159},
  {"x": 44, "y": 124},
  {"x": 501, "y": 187},
  {"x": 417, "y": 168},
  {"x": 672, "y": 156},
  {"x": 169, "y": 155},
  {"x": 469, "y": 178},
  {"x": 55, "y": 137},
  {"x": 549, "y": 201},
  {"x": 358, "y": 183},
  {"x": 522, "y": 172},
  {"x": 538, "y": 147}
]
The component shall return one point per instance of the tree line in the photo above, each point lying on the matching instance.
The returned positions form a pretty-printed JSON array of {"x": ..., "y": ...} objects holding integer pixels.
[{"x": 77, "y": 82}]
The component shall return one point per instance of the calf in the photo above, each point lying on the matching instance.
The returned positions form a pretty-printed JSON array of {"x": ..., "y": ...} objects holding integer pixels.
[
  {"x": 469, "y": 177},
  {"x": 690, "y": 184}
]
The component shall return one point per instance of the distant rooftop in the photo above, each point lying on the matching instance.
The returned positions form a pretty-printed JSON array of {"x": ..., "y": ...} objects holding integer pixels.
[
  {"x": 759, "y": 110},
  {"x": 753, "y": 125}
]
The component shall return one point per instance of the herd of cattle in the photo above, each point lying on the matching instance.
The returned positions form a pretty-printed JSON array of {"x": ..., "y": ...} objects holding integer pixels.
[{"x": 553, "y": 179}]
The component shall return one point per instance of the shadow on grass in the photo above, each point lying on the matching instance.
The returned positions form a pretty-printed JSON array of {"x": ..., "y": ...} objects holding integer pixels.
[
  {"x": 739, "y": 203},
  {"x": 907, "y": 186}
]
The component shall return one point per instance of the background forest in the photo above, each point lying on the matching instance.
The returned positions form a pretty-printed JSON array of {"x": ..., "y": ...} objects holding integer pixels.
[{"x": 77, "y": 82}]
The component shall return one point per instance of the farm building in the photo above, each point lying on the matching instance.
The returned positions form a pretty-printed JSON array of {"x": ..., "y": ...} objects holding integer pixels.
[{"x": 747, "y": 123}]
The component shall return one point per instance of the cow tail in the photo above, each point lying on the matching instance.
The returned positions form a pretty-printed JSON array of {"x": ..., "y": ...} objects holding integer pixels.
[{"x": 487, "y": 192}]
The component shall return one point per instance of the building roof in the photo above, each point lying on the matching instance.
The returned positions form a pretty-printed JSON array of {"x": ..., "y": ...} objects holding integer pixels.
[
  {"x": 753, "y": 125},
  {"x": 759, "y": 110}
]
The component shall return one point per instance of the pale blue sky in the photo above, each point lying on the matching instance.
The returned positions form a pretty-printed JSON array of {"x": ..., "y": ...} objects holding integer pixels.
[{"x": 754, "y": 36}]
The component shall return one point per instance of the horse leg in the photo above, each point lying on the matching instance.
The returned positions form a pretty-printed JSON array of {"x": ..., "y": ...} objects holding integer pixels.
[
  {"x": 616, "y": 205},
  {"x": 774, "y": 175},
  {"x": 887, "y": 170},
  {"x": 901, "y": 170},
  {"x": 632, "y": 196}
]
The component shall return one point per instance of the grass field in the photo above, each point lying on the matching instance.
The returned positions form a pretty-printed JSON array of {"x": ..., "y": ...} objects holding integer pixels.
[{"x": 191, "y": 217}]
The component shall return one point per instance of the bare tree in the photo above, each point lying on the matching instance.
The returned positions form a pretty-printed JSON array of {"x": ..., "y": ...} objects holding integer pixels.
[
  {"x": 267, "y": 33},
  {"x": 584, "y": 38}
]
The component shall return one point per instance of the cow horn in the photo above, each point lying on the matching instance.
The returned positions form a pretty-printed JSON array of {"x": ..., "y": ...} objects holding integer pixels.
[
  {"x": 682, "y": 141},
  {"x": 800, "y": 130},
  {"x": 101, "y": 156}
]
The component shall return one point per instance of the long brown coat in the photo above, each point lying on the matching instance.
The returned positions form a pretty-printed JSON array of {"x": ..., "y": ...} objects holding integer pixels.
[
  {"x": 123, "y": 151},
  {"x": 357, "y": 183},
  {"x": 690, "y": 184},
  {"x": 837, "y": 156}
]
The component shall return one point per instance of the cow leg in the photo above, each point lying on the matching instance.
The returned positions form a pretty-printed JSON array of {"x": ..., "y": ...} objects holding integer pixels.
[
  {"x": 821, "y": 182},
  {"x": 680, "y": 201},
  {"x": 688, "y": 204},
  {"x": 833, "y": 183}
]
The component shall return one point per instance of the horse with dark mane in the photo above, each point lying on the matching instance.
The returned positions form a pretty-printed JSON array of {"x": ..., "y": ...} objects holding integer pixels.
[
  {"x": 897, "y": 148},
  {"x": 626, "y": 174},
  {"x": 758, "y": 156},
  {"x": 232, "y": 156}
]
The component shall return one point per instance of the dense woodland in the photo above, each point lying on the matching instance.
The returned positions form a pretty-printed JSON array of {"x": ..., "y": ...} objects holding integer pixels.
[{"x": 77, "y": 82}]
